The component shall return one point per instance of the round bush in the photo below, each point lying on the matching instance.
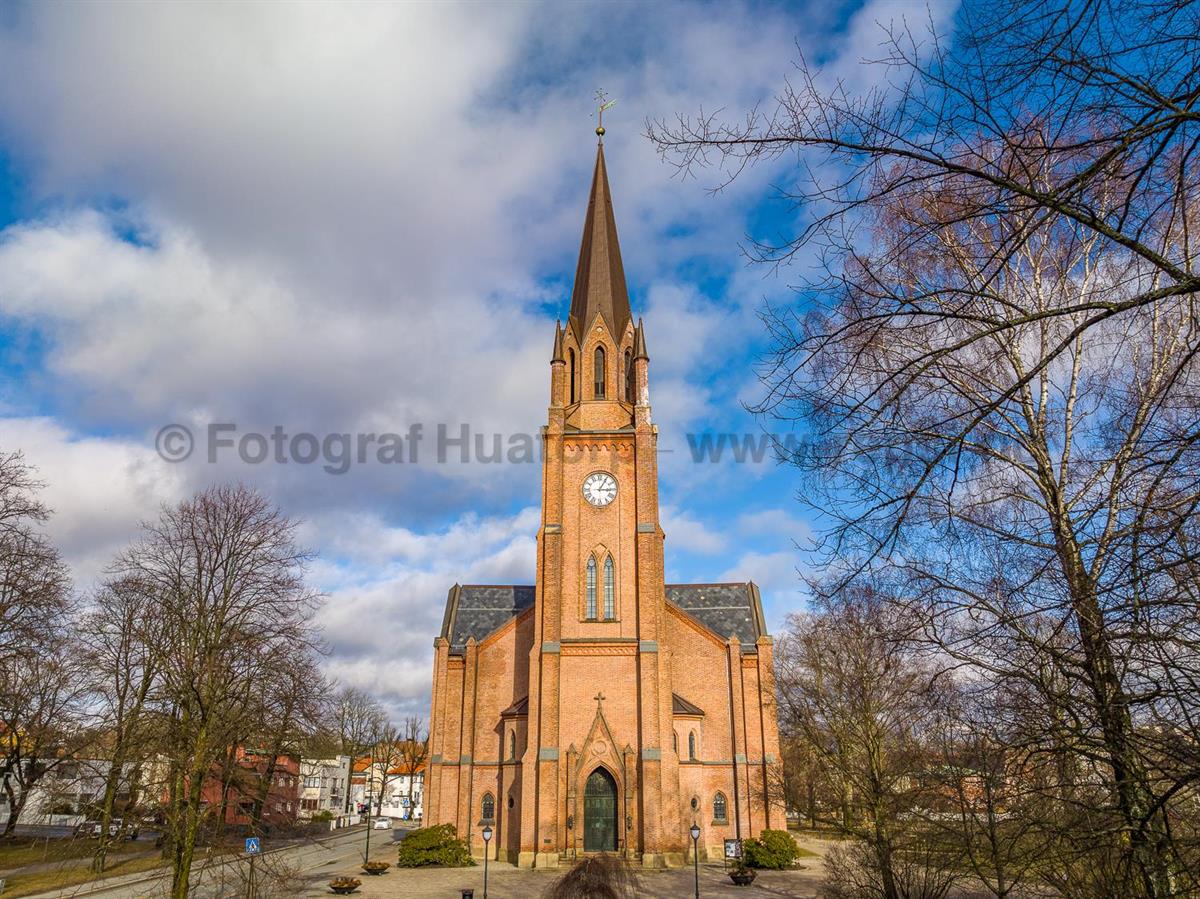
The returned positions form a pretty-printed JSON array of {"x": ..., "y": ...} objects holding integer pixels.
[
  {"x": 434, "y": 846},
  {"x": 774, "y": 849}
]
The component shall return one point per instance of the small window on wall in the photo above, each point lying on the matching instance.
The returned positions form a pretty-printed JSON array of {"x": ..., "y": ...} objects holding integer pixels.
[
  {"x": 489, "y": 807},
  {"x": 512, "y": 744},
  {"x": 675, "y": 743},
  {"x": 719, "y": 808},
  {"x": 591, "y": 588},
  {"x": 599, "y": 386},
  {"x": 692, "y": 745},
  {"x": 609, "y": 611}
]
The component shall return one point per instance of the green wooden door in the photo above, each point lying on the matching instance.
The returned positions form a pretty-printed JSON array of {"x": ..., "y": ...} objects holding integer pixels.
[{"x": 600, "y": 813}]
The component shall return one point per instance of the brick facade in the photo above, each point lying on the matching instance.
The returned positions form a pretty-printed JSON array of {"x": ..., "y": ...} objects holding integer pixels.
[{"x": 534, "y": 692}]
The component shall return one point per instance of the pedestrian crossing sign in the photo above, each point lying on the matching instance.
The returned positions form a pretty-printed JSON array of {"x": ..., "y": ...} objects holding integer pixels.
[{"x": 253, "y": 847}]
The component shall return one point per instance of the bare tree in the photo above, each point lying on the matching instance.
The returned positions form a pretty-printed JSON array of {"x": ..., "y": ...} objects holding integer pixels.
[
  {"x": 998, "y": 370},
  {"x": 34, "y": 587},
  {"x": 861, "y": 702},
  {"x": 39, "y": 684},
  {"x": 414, "y": 750},
  {"x": 289, "y": 706},
  {"x": 227, "y": 581},
  {"x": 40, "y": 696},
  {"x": 122, "y": 653},
  {"x": 358, "y": 722}
]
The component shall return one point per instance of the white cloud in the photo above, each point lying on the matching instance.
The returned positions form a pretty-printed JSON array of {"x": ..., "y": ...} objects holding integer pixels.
[
  {"x": 339, "y": 218},
  {"x": 99, "y": 489}
]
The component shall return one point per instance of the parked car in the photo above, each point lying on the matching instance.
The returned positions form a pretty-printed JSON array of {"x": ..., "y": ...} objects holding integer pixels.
[
  {"x": 116, "y": 828},
  {"x": 383, "y": 824}
]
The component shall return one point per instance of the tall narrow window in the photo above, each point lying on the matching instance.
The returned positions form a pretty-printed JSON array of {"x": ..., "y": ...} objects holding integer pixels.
[
  {"x": 591, "y": 587},
  {"x": 571, "y": 362},
  {"x": 692, "y": 745},
  {"x": 512, "y": 744},
  {"x": 629, "y": 376},
  {"x": 719, "y": 807},
  {"x": 489, "y": 807},
  {"x": 608, "y": 588},
  {"x": 599, "y": 391}
]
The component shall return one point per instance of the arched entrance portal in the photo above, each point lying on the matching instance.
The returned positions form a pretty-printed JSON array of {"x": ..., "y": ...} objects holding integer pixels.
[{"x": 600, "y": 813}]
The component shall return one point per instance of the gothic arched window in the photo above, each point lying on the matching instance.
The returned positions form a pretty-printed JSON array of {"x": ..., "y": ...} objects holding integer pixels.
[
  {"x": 599, "y": 391},
  {"x": 591, "y": 587},
  {"x": 719, "y": 807},
  {"x": 512, "y": 744},
  {"x": 489, "y": 807},
  {"x": 629, "y": 376},
  {"x": 571, "y": 363},
  {"x": 675, "y": 742},
  {"x": 609, "y": 612},
  {"x": 692, "y": 745}
]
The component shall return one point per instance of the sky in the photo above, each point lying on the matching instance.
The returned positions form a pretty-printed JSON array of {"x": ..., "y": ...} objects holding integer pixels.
[{"x": 307, "y": 219}]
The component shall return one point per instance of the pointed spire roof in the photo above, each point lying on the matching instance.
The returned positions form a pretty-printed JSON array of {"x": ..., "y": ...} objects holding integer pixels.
[
  {"x": 599, "y": 277},
  {"x": 558, "y": 355},
  {"x": 639, "y": 342}
]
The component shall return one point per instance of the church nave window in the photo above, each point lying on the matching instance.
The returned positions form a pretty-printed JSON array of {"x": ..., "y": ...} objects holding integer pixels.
[
  {"x": 629, "y": 376},
  {"x": 720, "y": 809},
  {"x": 571, "y": 359},
  {"x": 692, "y": 746},
  {"x": 591, "y": 588},
  {"x": 489, "y": 807},
  {"x": 599, "y": 391},
  {"x": 609, "y": 612}
]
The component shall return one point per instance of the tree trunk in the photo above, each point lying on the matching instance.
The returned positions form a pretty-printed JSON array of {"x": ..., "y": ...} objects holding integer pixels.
[{"x": 111, "y": 785}]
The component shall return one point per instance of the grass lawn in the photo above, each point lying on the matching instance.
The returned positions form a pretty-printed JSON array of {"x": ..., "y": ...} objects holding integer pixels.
[
  {"x": 22, "y": 851},
  {"x": 29, "y": 884}
]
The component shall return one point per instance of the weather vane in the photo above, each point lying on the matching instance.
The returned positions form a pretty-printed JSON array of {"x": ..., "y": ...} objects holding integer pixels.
[{"x": 602, "y": 103}]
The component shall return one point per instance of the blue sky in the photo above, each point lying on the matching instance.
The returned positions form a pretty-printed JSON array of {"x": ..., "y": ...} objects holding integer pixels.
[{"x": 343, "y": 219}]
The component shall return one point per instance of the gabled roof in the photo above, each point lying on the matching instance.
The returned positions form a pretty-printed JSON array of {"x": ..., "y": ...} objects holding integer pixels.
[
  {"x": 680, "y": 706},
  {"x": 476, "y": 610},
  {"x": 517, "y": 709},
  {"x": 599, "y": 276},
  {"x": 725, "y": 609}
]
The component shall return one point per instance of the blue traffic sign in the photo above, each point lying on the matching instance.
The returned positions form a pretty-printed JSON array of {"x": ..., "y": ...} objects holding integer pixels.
[{"x": 253, "y": 847}]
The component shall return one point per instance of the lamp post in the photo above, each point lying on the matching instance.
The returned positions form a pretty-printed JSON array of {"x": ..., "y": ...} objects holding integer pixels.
[
  {"x": 487, "y": 838},
  {"x": 695, "y": 832}
]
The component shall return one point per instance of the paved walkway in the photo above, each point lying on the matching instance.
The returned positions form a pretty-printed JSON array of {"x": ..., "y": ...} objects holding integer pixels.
[{"x": 508, "y": 882}]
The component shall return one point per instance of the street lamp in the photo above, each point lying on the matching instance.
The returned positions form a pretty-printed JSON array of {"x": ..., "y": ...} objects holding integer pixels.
[
  {"x": 695, "y": 832},
  {"x": 487, "y": 838}
]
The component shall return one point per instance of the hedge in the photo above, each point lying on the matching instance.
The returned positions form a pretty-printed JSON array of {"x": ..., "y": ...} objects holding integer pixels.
[{"x": 436, "y": 846}]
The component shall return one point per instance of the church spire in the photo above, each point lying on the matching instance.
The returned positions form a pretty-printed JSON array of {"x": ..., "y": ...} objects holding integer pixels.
[{"x": 599, "y": 277}]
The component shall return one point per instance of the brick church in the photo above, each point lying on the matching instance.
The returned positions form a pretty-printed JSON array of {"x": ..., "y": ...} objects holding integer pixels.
[{"x": 601, "y": 709}]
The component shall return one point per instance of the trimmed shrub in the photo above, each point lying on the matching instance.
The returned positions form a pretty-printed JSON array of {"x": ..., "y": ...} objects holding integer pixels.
[
  {"x": 324, "y": 816},
  {"x": 774, "y": 849},
  {"x": 437, "y": 846}
]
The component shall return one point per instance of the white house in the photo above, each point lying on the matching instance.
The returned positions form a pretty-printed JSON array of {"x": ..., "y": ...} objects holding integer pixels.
[{"x": 323, "y": 785}]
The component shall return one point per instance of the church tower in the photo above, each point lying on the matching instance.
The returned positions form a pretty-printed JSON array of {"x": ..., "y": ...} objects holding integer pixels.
[{"x": 558, "y": 710}]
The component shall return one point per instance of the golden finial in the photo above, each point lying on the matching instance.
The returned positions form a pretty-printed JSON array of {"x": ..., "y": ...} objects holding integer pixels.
[{"x": 602, "y": 103}]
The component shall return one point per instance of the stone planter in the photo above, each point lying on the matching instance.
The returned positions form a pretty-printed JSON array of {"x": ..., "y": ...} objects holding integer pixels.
[
  {"x": 742, "y": 878},
  {"x": 344, "y": 885},
  {"x": 376, "y": 868}
]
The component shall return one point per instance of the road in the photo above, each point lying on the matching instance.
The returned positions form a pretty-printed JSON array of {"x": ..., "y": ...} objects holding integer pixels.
[{"x": 279, "y": 873}]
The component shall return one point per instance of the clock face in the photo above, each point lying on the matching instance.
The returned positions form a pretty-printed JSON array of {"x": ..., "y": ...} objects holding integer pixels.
[{"x": 600, "y": 488}]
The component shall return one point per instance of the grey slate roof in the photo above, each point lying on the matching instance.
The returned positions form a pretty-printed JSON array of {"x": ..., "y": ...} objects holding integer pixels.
[
  {"x": 476, "y": 610},
  {"x": 725, "y": 609}
]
